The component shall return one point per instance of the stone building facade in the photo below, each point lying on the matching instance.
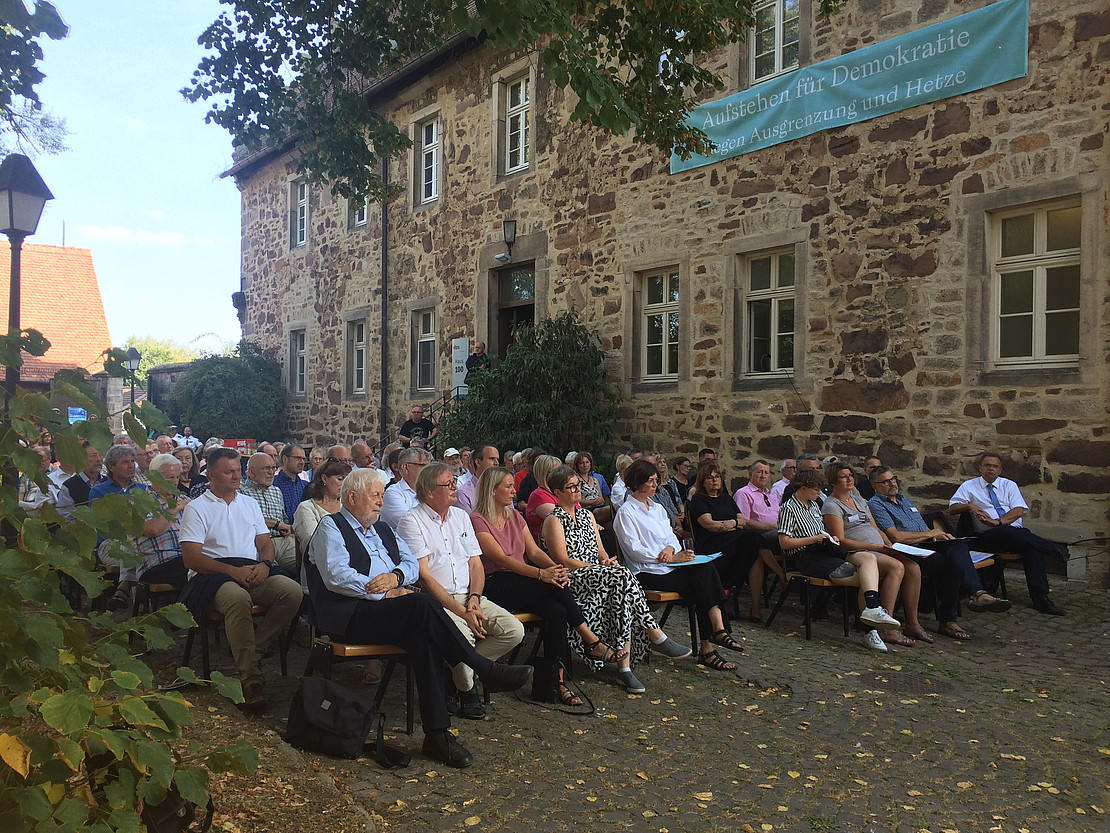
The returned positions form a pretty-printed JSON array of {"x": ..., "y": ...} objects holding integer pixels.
[{"x": 843, "y": 293}]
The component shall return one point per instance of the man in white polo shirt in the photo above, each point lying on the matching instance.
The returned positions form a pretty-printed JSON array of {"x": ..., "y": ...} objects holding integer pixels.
[
  {"x": 442, "y": 538},
  {"x": 225, "y": 541}
]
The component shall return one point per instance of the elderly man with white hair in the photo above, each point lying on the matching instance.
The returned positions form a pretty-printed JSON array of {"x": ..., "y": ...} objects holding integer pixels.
[
  {"x": 259, "y": 485},
  {"x": 358, "y": 570}
]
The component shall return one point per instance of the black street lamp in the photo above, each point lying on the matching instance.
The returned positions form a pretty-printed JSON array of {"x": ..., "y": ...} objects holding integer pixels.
[
  {"x": 132, "y": 364},
  {"x": 23, "y": 196}
]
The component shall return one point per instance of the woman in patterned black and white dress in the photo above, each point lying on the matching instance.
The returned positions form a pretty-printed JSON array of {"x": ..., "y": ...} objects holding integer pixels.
[{"x": 610, "y": 597}]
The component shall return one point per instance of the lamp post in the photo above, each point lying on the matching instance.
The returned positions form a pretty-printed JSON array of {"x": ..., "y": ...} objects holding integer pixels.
[
  {"x": 23, "y": 196},
  {"x": 132, "y": 364}
]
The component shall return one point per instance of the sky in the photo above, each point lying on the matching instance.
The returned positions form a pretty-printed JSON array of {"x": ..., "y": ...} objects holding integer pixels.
[{"x": 140, "y": 186}]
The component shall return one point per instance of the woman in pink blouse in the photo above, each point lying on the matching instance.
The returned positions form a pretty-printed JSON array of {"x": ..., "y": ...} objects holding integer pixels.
[{"x": 523, "y": 579}]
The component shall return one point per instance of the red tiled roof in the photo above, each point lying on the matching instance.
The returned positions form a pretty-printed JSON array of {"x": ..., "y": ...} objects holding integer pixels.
[{"x": 59, "y": 297}]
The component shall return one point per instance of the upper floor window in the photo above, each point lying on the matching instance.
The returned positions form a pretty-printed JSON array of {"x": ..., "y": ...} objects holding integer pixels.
[
  {"x": 774, "y": 38},
  {"x": 298, "y": 214},
  {"x": 518, "y": 137},
  {"x": 357, "y": 212},
  {"x": 770, "y": 312},
  {"x": 356, "y": 357},
  {"x": 1035, "y": 277},
  {"x": 298, "y": 361},
  {"x": 428, "y": 142},
  {"x": 660, "y": 330}
]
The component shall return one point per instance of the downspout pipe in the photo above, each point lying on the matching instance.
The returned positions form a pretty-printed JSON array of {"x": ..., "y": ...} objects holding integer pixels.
[{"x": 384, "y": 335}]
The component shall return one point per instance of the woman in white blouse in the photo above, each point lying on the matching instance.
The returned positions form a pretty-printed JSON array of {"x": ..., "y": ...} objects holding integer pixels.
[{"x": 654, "y": 555}]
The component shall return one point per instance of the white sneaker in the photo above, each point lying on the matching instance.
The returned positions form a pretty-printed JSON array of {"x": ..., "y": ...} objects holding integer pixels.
[
  {"x": 873, "y": 641},
  {"x": 877, "y": 617}
]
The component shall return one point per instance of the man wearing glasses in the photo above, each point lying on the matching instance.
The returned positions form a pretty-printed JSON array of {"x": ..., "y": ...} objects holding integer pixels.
[
  {"x": 442, "y": 538},
  {"x": 760, "y": 505},
  {"x": 259, "y": 485},
  {"x": 288, "y": 479},
  {"x": 950, "y": 566},
  {"x": 400, "y": 498}
]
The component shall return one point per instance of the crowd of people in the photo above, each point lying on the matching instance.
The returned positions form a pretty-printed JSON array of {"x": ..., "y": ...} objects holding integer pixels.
[{"x": 347, "y": 536}]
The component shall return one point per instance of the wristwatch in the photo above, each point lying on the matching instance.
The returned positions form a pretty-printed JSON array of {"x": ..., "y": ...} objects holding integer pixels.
[{"x": 400, "y": 576}]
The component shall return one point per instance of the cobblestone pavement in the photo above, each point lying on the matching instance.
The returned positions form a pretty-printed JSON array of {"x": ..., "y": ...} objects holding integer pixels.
[{"x": 1006, "y": 732}]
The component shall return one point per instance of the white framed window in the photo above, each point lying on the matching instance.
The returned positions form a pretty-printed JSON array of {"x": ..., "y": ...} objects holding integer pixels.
[
  {"x": 769, "y": 312},
  {"x": 518, "y": 124},
  {"x": 357, "y": 213},
  {"x": 660, "y": 325},
  {"x": 424, "y": 349},
  {"x": 298, "y": 214},
  {"x": 356, "y": 357},
  {"x": 774, "y": 39},
  {"x": 298, "y": 361},
  {"x": 1036, "y": 285},
  {"x": 428, "y": 169}
]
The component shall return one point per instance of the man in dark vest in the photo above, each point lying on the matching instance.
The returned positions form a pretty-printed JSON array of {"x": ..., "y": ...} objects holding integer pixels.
[
  {"x": 75, "y": 491},
  {"x": 357, "y": 571}
]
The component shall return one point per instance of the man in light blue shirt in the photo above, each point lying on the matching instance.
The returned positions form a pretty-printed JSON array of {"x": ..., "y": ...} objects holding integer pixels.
[{"x": 358, "y": 570}]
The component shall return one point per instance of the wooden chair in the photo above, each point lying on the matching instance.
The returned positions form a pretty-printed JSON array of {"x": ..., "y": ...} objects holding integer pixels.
[
  {"x": 326, "y": 653},
  {"x": 148, "y": 598},
  {"x": 804, "y": 583},
  {"x": 531, "y": 621},
  {"x": 211, "y": 620}
]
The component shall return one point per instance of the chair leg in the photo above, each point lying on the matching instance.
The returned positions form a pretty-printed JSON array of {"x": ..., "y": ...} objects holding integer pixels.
[
  {"x": 205, "y": 660},
  {"x": 188, "y": 646},
  {"x": 805, "y": 607},
  {"x": 778, "y": 606},
  {"x": 847, "y": 601},
  {"x": 1002, "y": 578},
  {"x": 694, "y": 641},
  {"x": 408, "y": 698}
]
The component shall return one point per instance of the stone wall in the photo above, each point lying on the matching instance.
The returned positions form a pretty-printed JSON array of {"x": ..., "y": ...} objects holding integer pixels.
[{"x": 888, "y": 219}]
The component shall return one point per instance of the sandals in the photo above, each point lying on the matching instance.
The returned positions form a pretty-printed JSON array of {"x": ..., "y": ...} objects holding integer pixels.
[
  {"x": 715, "y": 661},
  {"x": 919, "y": 633},
  {"x": 951, "y": 629},
  {"x": 896, "y": 638},
  {"x": 608, "y": 656},
  {"x": 725, "y": 640},
  {"x": 994, "y": 606},
  {"x": 566, "y": 696}
]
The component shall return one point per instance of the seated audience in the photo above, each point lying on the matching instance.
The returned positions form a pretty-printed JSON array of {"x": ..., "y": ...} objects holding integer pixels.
[
  {"x": 610, "y": 597},
  {"x": 996, "y": 507},
  {"x": 400, "y": 499},
  {"x": 595, "y": 491},
  {"x": 357, "y": 571},
  {"x": 654, "y": 555},
  {"x": 291, "y": 460},
  {"x": 950, "y": 566},
  {"x": 225, "y": 540},
  {"x": 483, "y": 457},
  {"x": 541, "y": 501},
  {"x": 190, "y": 469},
  {"x": 786, "y": 468},
  {"x": 522, "y": 578},
  {"x": 260, "y": 487},
  {"x": 848, "y": 518},
  {"x": 759, "y": 506},
  {"x": 75, "y": 491},
  {"x": 678, "y": 484},
  {"x": 802, "y": 537},
  {"x": 323, "y": 500},
  {"x": 619, "y": 492},
  {"x": 721, "y": 528},
  {"x": 160, "y": 544},
  {"x": 122, "y": 478},
  {"x": 442, "y": 538}
]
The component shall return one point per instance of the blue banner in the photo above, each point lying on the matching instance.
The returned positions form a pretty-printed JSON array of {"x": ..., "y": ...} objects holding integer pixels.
[{"x": 969, "y": 52}]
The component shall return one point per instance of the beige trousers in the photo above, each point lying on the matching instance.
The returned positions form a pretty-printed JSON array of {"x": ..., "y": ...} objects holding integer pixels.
[
  {"x": 281, "y": 595},
  {"x": 503, "y": 633}
]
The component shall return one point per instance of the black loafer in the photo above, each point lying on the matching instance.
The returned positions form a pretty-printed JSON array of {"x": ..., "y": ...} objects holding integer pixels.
[
  {"x": 442, "y": 747},
  {"x": 507, "y": 677},
  {"x": 470, "y": 705},
  {"x": 1046, "y": 606}
]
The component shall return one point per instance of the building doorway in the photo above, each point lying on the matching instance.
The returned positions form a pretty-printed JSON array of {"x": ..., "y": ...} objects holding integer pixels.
[{"x": 516, "y": 302}]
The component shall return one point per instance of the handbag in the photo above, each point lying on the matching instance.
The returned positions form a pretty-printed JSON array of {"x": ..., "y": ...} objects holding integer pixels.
[
  {"x": 328, "y": 718},
  {"x": 827, "y": 547}
]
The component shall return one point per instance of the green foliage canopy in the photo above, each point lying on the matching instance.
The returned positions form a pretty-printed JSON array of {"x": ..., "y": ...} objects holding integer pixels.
[
  {"x": 239, "y": 396},
  {"x": 289, "y": 70},
  {"x": 551, "y": 390},
  {"x": 21, "y": 112},
  {"x": 86, "y": 736}
]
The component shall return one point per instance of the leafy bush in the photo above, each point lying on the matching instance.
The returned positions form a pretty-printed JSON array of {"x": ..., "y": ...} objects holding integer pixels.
[
  {"x": 86, "y": 737},
  {"x": 551, "y": 390},
  {"x": 239, "y": 396}
]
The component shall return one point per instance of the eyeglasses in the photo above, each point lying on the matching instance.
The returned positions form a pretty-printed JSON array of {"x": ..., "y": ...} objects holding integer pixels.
[
  {"x": 767, "y": 500},
  {"x": 789, "y": 468},
  {"x": 452, "y": 485},
  {"x": 268, "y": 468},
  {"x": 891, "y": 479},
  {"x": 298, "y": 459},
  {"x": 572, "y": 487},
  {"x": 418, "y": 465},
  {"x": 846, "y": 476}
]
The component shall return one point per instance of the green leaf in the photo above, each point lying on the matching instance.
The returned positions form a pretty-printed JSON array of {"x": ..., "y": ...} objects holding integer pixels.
[
  {"x": 135, "y": 430},
  {"x": 188, "y": 675},
  {"x": 155, "y": 759},
  {"x": 238, "y": 757},
  {"x": 192, "y": 783},
  {"x": 68, "y": 449},
  {"x": 229, "y": 687},
  {"x": 178, "y": 615},
  {"x": 124, "y": 820},
  {"x": 34, "y": 536},
  {"x": 67, "y": 712},
  {"x": 71, "y": 752},
  {"x": 136, "y": 712},
  {"x": 125, "y": 679},
  {"x": 72, "y": 813},
  {"x": 116, "y": 741}
]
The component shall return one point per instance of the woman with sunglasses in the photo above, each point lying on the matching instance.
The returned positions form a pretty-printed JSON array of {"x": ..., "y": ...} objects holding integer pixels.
[{"x": 610, "y": 597}]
